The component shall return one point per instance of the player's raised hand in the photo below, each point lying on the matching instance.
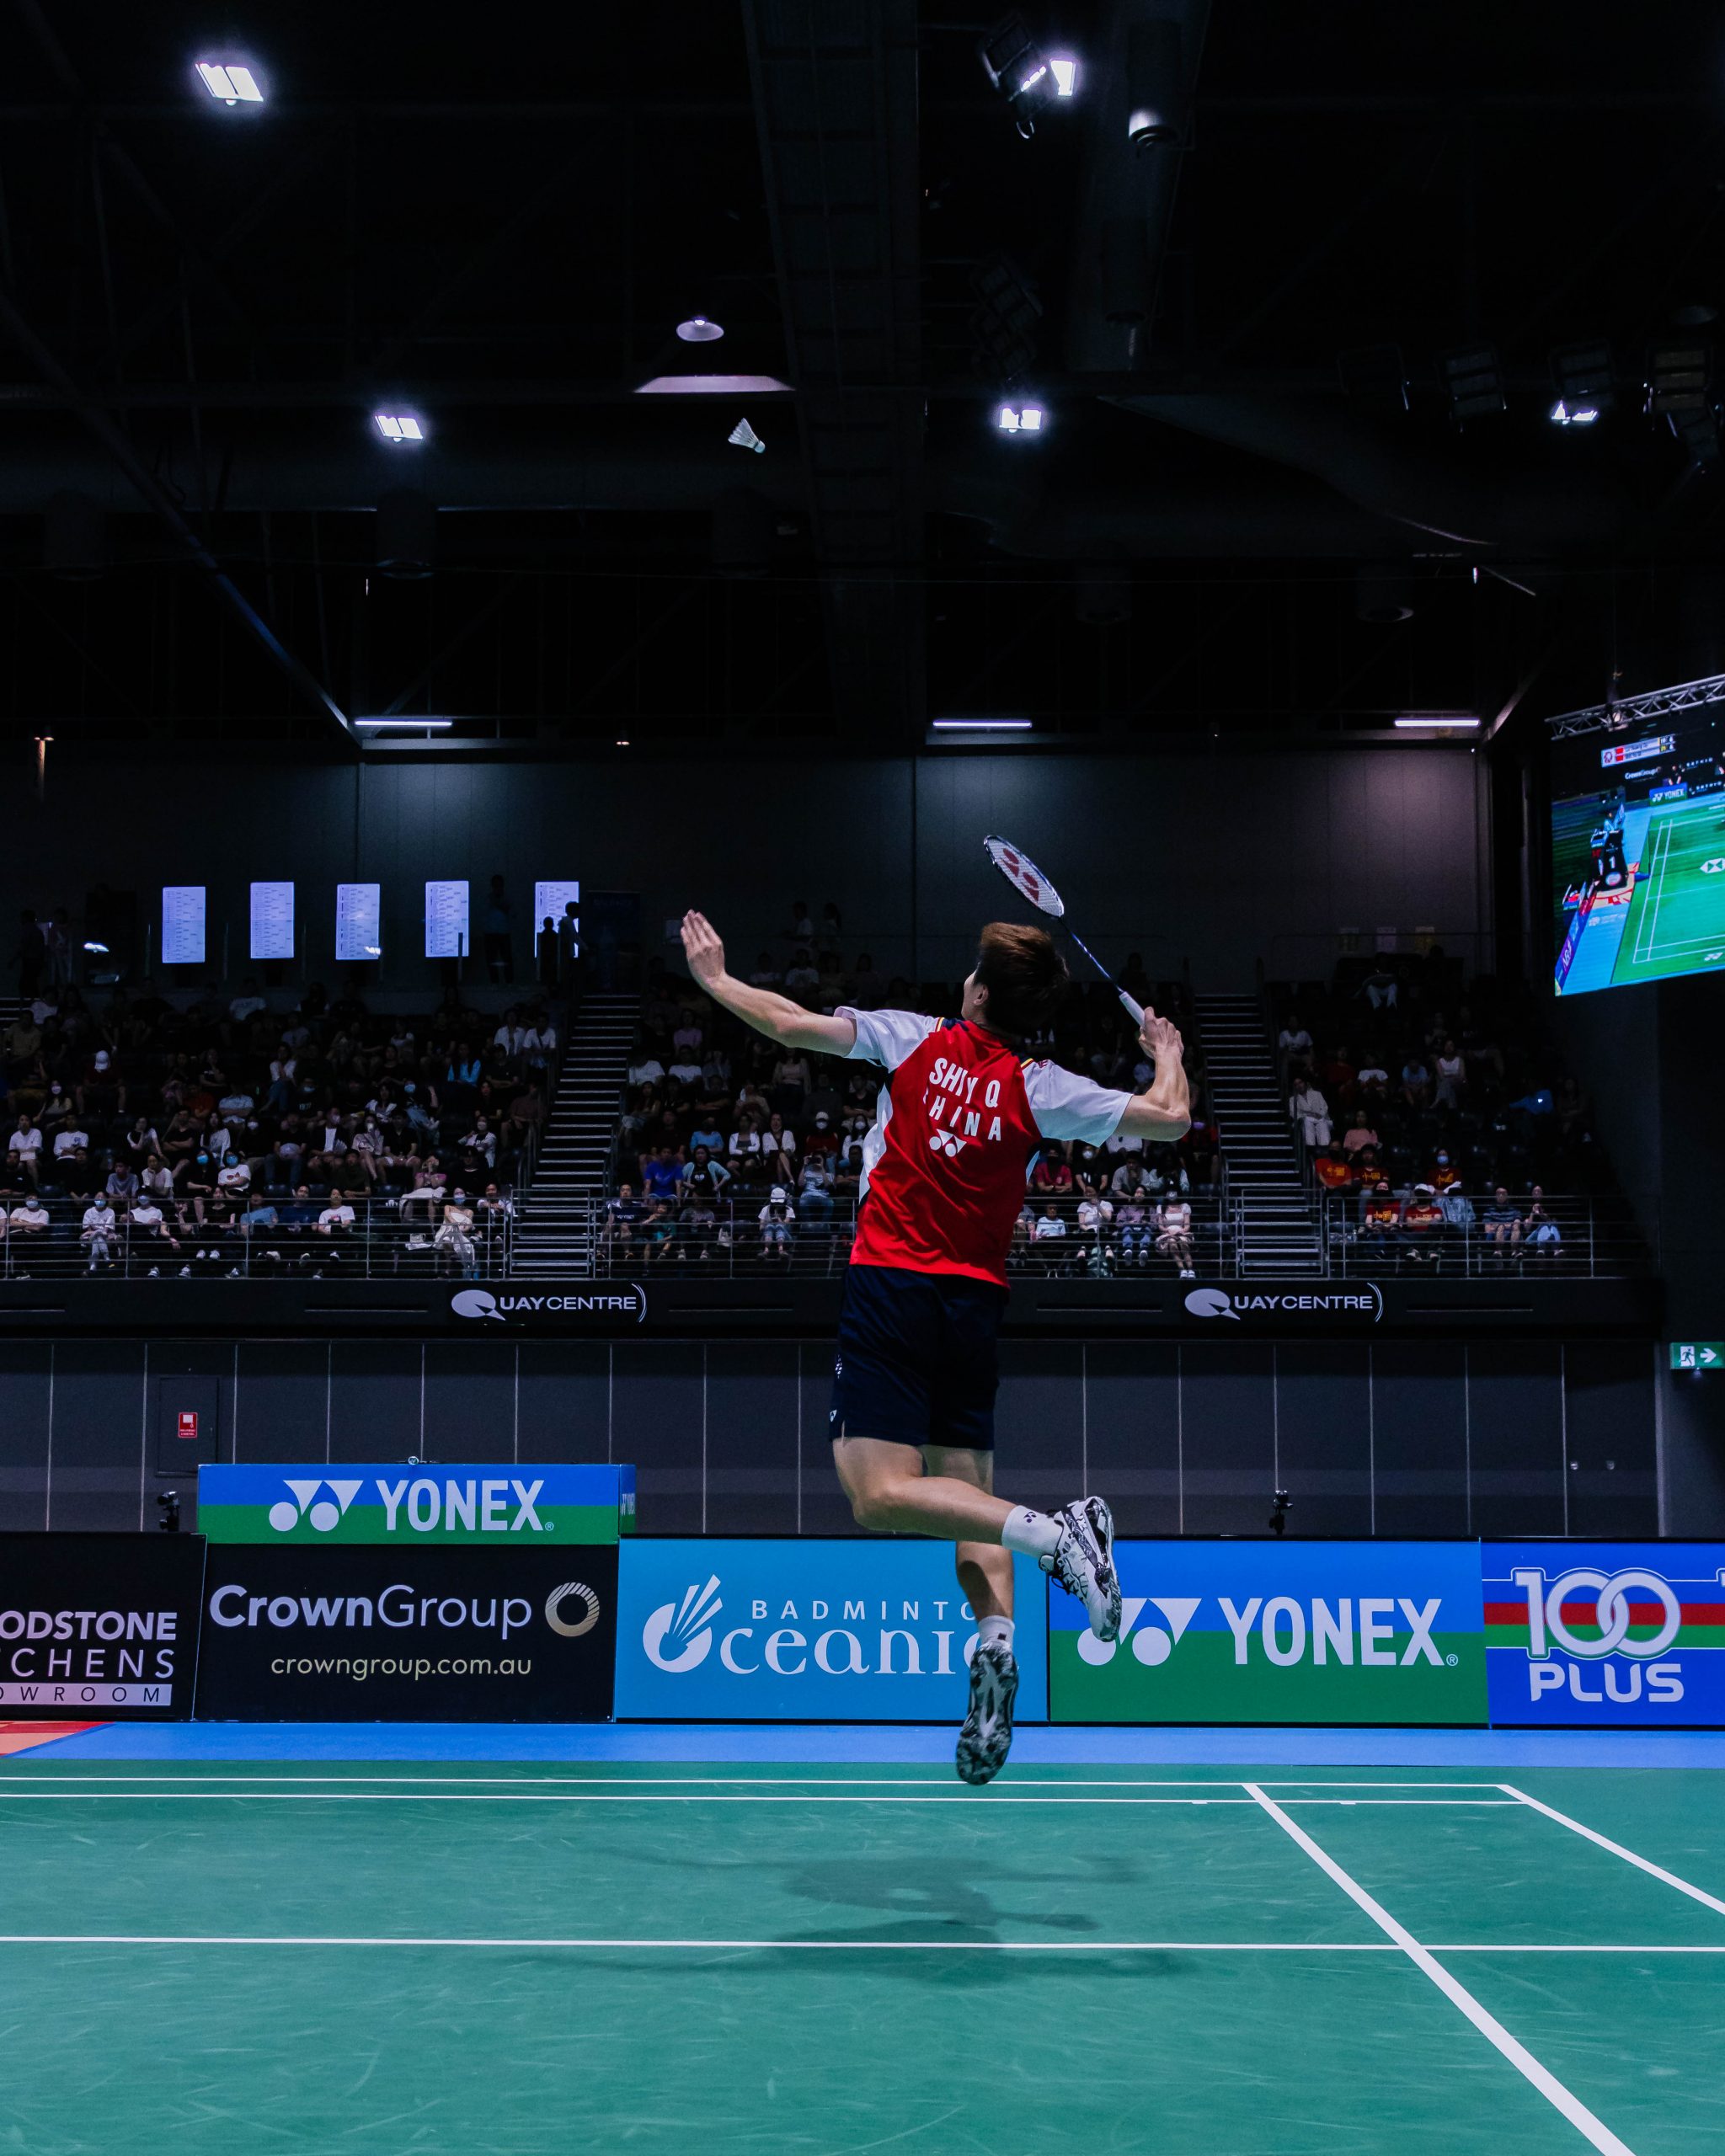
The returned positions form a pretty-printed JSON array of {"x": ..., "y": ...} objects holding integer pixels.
[
  {"x": 1159, "y": 1038},
  {"x": 702, "y": 948}
]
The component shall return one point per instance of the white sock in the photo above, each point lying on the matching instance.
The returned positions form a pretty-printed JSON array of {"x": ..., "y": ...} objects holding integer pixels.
[
  {"x": 1033, "y": 1534},
  {"x": 995, "y": 1632}
]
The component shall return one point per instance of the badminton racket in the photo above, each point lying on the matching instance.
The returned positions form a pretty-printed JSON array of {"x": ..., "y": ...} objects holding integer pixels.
[{"x": 1027, "y": 880}]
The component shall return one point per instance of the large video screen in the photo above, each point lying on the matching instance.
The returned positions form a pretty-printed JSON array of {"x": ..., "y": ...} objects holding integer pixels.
[{"x": 1638, "y": 853}]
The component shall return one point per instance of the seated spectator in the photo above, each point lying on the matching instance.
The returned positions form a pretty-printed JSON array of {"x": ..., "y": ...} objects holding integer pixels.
[
  {"x": 99, "y": 1233},
  {"x": 71, "y": 1138},
  {"x": 1294, "y": 1047},
  {"x": 122, "y": 1184},
  {"x": 802, "y": 927},
  {"x": 1173, "y": 1234},
  {"x": 660, "y": 1172},
  {"x": 685, "y": 1070},
  {"x": 1096, "y": 1217},
  {"x": 1374, "y": 1082},
  {"x": 482, "y": 1140},
  {"x": 1541, "y": 1235},
  {"x": 823, "y": 1138},
  {"x": 646, "y": 1069},
  {"x": 28, "y": 1217},
  {"x": 1310, "y": 1111},
  {"x": 1135, "y": 1227},
  {"x": 454, "y": 1236},
  {"x": 149, "y": 1225},
  {"x": 1379, "y": 988},
  {"x": 1052, "y": 1174},
  {"x": 1333, "y": 1168},
  {"x": 1360, "y": 1133},
  {"x": 848, "y": 1177},
  {"x": 1380, "y": 1222},
  {"x": 703, "y": 1178},
  {"x": 1049, "y": 1231},
  {"x": 1338, "y": 1078},
  {"x": 429, "y": 1190},
  {"x": 24, "y": 1147},
  {"x": 779, "y": 1145},
  {"x": 709, "y": 1134},
  {"x": 1445, "y": 1174},
  {"x": 790, "y": 1081},
  {"x": 1501, "y": 1223},
  {"x": 815, "y": 1187},
  {"x": 1452, "y": 1077},
  {"x": 776, "y": 1221},
  {"x": 624, "y": 1215},
  {"x": 156, "y": 1181},
  {"x": 336, "y": 1218},
  {"x": 1416, "y": 1081},
  {"x": 1423, "y": 1228}
]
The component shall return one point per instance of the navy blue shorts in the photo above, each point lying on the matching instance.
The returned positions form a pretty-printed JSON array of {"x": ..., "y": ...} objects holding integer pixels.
[{"x": 917, "y": 1363}]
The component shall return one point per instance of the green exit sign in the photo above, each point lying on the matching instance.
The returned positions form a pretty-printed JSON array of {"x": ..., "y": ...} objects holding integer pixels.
[{"x": 1698, "y": 1354}]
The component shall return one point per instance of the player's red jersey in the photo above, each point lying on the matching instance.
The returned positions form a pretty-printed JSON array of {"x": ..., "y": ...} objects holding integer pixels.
[{"x": 960, "y": 1118}]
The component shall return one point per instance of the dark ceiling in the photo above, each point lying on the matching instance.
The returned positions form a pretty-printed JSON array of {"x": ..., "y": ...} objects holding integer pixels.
[{"x": 496, "y": 222}]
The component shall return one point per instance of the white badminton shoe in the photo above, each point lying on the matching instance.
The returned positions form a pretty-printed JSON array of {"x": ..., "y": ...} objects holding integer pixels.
[
  {"x": 1083, "y": 1563},
  {"x": 986, "y": 1738}
]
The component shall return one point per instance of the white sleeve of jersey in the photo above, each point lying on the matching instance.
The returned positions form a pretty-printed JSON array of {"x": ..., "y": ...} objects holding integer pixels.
[
  {"x": 1066, "y": 1106},
  {"x": 886, "y": 1036}
]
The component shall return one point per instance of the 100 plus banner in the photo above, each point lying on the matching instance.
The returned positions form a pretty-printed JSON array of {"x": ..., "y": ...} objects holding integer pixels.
[
  {"x": 1267, "y": 1631},
  {"x": 1586, "y": 1633},
  {"x": 499, "y": 1507}
]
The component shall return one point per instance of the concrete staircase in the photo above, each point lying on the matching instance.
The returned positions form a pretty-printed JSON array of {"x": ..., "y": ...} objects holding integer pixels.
[
  {"x": 551, "y": 1238},
  {"x": 1275, "y": 1221}
]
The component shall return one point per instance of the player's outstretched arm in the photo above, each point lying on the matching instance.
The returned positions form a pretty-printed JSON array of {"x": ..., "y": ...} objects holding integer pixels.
[
  {"x": 1163, "y": 1110},
  {"x": 775, "y": 1016}
]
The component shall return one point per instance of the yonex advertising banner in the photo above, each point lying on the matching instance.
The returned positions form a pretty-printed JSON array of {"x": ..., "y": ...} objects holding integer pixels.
[
  {"x": 99, "y": 1627},
  {"x": 1269, "y": 1631},
  {"x": 425, "y": 1634},
  {"x": 499, "y": 1507},
  {"x": 1601, "y": 1632},
  {"x": 716, "y": 1631}
]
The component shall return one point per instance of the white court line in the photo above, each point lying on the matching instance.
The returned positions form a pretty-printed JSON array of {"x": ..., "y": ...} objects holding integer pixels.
[
  {"x": 1653, "y": 926},
  {"x": 729, "y": 1946},
  {"x": 706, "y": 1781},
  {"x": 815, "y": 1945},
  {"x": 973, "y": 1798},
  {"x": 1595, "y": 2130},
  {"x": 1617, "y": 1848}
]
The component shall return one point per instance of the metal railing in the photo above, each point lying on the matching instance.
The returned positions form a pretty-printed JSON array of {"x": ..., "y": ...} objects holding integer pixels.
[
  {"x": 267, "y": 1238},
  {"x": 751, "y": 1237},
  {"x": 1575, "y": 1238}
]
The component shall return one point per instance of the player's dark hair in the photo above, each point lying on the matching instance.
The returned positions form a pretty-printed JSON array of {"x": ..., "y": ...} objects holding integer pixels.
[{"x": 1025, "y": 976}]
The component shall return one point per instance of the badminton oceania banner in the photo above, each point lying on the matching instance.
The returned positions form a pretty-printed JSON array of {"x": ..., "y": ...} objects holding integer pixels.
[
  {"x": 710, "y": 1630},
  {"x": 1591, "y": 1633},
  {"x": 1267, "y": 1631},
  {"x": 499, "y": 1507}
]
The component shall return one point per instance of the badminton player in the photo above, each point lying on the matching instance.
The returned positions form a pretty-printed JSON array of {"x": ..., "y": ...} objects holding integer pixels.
[{"x": 961, "y": 1114}]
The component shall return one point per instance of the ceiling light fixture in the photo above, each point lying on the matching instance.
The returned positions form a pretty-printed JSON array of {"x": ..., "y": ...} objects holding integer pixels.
[
  {"x": 398, "y": 426},
  {"x": 981, "y": 725},
  {"x": 1425, "y": 721},
  {"x": 698, "y": 330},
  {"x": 1565, "y": 414},
  {"x": 230, "y": 82},
  {"x": 419, "y": 725},
  {"x": 1016, "y": 66},
  {"x": 1066, "y": 75},
  {"x": 1020, "y": 419},
  {"x": 713, "y": 385}
]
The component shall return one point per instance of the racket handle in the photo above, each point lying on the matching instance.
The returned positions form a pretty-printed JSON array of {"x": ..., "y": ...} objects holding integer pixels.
[{"x": 1134, "y": 1011}]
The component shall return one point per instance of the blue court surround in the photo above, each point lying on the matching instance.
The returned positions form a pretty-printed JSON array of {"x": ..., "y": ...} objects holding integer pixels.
[{"x": 793, "y": 1744}]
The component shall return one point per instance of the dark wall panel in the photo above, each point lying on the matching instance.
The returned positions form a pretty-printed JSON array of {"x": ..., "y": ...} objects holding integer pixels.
[
  {"x": 1608, "y": 1401},
  {"x": 1419, "y": 1438},
  {"x": 1132, "y": 1433},
  {"x": 1323, "y": 1437},
  {"x": 377, "y": 1395},
  {"x": 659, "y": 1421},
  {"x": 823, "y": 1506},
  {"x": 1515, "y": 1438},
  {"x": 1227, "y": 1421},
  {"x": 563, "y": 1395},
  {"x": 470, "y": 1400},
  {"x": 97, "y": 1454},
  {"x": 281, "y": 1404},
  {"x": 1039, "y": 1423},
  {"x": 751, "y": 1438},
  {"x": 26, "y": 1386}
]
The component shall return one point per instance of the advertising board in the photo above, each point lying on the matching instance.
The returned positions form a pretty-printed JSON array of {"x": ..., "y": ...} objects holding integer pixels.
[
  {"x": 430, "y": 1634},
  {"x": 499, "y": 1507},
  {"x": 808, "y": 1631},
  {"x": 1270, "y": 1631},
  {"x": 1629, "y": 1633},
  {"x": 102, "y": 1625}
]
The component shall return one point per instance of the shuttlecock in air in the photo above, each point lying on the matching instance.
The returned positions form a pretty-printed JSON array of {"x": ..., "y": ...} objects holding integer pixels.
[{"x": 745, "y": 436}]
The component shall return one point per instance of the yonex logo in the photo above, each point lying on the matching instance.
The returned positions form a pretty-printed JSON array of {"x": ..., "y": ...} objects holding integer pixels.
[
  {"x": 322, "y": 1515},
  {"x": 1156, "y": 1642},
  {"x": 678, "y": 1635},
  {"x": 947, "y": 1142}
]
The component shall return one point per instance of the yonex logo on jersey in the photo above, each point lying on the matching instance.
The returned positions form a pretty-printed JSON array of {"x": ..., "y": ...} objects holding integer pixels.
[{"x": 947, "y": 1142}]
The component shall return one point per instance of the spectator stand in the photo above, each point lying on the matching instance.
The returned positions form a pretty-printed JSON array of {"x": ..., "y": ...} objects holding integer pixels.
[
  {"x": 178, "y": 1137},
  {"x": 1435, "y": 1131},
  {"x": 734, "y": 1157}
]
